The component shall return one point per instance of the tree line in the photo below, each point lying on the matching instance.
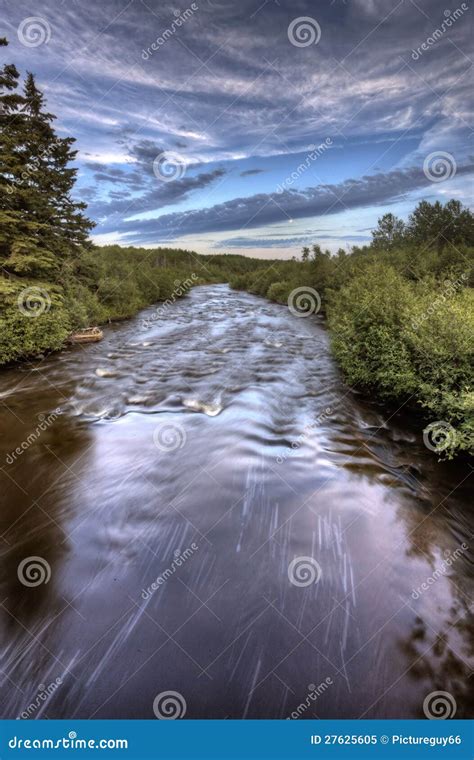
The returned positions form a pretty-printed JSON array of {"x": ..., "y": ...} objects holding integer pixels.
[
  {"x": 400, "y": 311},
  {"x": 53, "y": 280}
]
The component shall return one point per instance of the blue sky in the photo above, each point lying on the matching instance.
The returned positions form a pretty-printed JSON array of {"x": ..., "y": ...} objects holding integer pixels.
[{"x": 200, "y": 125}]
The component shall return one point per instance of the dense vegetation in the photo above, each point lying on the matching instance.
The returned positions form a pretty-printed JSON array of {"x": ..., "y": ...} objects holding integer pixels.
[
  {"x": 400, "y": 311},
  {"x": 52, "y": 279}
]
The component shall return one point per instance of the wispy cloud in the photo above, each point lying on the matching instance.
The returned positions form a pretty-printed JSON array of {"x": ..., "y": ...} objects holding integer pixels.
[{"x": 229, "y": 92}]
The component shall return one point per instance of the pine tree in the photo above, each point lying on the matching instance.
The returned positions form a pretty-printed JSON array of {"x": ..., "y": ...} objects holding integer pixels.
[
  {"x": 42, "y": 230},
  {"x": 11, "y": 164}
]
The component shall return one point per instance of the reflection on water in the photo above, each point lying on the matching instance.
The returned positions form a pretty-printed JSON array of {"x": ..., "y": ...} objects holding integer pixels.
[{"x": 189, "y": 464}]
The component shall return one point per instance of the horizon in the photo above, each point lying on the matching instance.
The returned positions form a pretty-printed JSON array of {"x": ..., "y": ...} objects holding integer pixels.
[{"x": 182, "y": 143}]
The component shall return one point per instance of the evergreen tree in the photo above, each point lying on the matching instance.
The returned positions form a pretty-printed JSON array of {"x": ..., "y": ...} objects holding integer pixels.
[
  {"x": 42, "y": 230},
  {"x": 10, "y": 157}
]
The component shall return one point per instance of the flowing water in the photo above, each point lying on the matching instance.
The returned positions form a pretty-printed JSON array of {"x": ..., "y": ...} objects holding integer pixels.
[{"x": 198, "y": 504}]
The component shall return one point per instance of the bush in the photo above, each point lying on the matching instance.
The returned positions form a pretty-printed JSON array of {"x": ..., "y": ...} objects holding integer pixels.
[
  {"x": 279, "y": 292},
  {"x": 32, "y": 318},
  {"x": 408, "y": 340}
]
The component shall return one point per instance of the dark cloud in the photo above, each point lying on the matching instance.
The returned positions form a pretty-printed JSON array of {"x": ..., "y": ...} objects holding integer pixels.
[
  {"x": 263, "y": 209},
  {"x": 145, "y": 152},
  {"x": 250, "y": 172},
  {"x": 158, "y": 194},
  {"x": 87, "y": 193}
]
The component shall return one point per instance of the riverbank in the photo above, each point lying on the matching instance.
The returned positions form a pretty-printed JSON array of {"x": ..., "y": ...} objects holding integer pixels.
[
  {"x": 102, "y": 285},
  {"x": 400, "y": 333},
  {"x": 222, "y": 423},
  {"x": 401, "y": 340}
]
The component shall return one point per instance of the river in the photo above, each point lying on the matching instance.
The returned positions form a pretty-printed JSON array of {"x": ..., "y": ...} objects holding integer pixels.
[{"x": 199, "y": 505}]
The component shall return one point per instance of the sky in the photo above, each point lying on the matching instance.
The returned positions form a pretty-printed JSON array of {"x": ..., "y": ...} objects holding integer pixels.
[{"x": 253, "y": 126}]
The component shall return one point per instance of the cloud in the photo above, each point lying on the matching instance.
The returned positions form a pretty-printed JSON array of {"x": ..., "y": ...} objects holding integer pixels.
[
  {"x": 158, "y": 194},
  {"x": 229, "y": 85},
  {"x": 264, "y": 209}
]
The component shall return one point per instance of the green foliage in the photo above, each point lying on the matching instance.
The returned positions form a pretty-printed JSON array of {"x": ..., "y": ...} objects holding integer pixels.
[
  {"x": 389, "y": 232},
  {"x": 22, "y": 331},
  {"x": 99, "y": 285},
  {"x": 409, "y": 340},
  {"x": 431, "y": 225},
  {"x": 400, "y": 311},
  {"x": 41, "y": 226}
]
